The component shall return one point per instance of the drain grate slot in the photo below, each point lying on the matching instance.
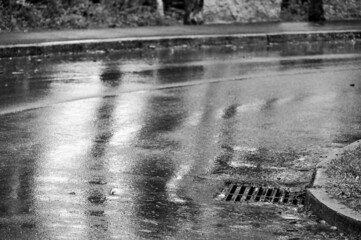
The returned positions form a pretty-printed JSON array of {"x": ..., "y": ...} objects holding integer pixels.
[
  {"x": 250, "y": 192},
  {"x": 277, "y": 196},
  {"x": 241, "y": 193},
  {"x": 259, "y": 194}
]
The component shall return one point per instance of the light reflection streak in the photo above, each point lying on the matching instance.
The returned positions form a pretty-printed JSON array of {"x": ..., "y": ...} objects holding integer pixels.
[
  {"x": 58, "y": 166},
  {"x": 72, "y": 79},
  {"x": 128, "y": 115},
  {"x": 127, "y": 122}
]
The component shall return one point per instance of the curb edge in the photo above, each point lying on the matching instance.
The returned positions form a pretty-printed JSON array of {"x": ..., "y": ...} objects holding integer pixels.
[
  {"x": 319, "y": 202},
  {"x": 85, "y": 45}
]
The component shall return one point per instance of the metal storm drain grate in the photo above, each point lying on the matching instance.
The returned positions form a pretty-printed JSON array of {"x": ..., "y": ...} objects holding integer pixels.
[{"x": 242, "y": 193}]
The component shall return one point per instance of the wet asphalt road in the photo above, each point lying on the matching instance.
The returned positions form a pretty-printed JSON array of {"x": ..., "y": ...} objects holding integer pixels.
[{"x": 133, "y": 145}]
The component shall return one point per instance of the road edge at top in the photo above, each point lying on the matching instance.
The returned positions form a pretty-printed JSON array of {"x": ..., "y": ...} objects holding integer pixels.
[
  {"x": 124, "y": 43},
  {"x": 327, "y": 208}
]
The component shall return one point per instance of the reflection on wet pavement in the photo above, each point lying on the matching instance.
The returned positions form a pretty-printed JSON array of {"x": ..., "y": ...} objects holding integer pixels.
[{"x": 106, "y": 150}]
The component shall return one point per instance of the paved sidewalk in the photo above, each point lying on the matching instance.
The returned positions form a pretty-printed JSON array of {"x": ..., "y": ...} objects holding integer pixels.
[
  {"x": 144, "y": 32},
  {"x": 38, "y": 43}
]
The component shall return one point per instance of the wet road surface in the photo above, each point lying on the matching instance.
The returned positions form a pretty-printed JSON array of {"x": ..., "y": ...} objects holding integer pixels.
[{"x": 139, "y": 145}]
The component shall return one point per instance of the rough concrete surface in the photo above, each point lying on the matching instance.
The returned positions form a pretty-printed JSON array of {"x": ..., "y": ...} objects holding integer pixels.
[
  {"x": 345, "y": 9},
  {"x": 330, "y": 209},
  {"x": 216, "y": 11},
  {"x": 241, "y": 11}
]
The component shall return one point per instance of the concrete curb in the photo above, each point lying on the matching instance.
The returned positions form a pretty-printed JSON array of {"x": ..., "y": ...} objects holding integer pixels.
[
  {"x": 318, "y": 200},
  {"x": 79, "y": 46}
]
